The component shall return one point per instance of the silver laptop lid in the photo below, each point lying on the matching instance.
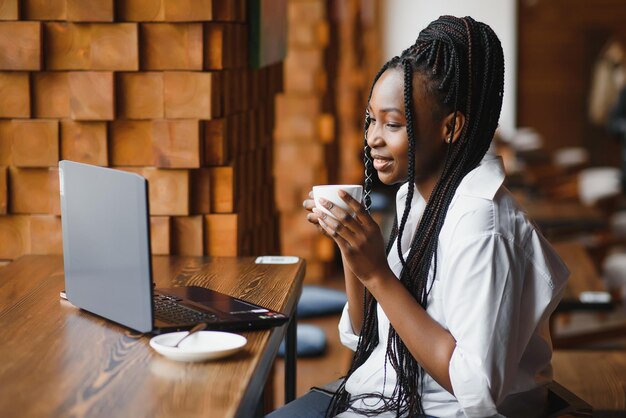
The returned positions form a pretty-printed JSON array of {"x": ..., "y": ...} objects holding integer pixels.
[{"x": 106, "y": 243}]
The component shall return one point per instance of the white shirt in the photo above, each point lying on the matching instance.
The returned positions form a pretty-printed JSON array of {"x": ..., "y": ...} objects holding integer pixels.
[{"x": 498, "y": 280}]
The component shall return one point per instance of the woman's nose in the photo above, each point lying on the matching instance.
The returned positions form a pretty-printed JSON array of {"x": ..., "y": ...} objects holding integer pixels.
[{"x": 374, "y": 137}]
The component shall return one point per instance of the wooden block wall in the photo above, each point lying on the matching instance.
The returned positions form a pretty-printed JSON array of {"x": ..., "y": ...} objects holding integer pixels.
[
  {"x": 300, "y": 144},
  {"x": 358, "y": 59},
  {"x": 157, "y": 87},
  {"x": 332, "y": 56}
]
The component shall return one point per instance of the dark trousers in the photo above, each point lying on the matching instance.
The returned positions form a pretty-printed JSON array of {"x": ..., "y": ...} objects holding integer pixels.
[{"x": 311, "y": 405}]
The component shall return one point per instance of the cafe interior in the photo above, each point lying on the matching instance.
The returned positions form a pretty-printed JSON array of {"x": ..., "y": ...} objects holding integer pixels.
[{"x": 232, "y": 110}]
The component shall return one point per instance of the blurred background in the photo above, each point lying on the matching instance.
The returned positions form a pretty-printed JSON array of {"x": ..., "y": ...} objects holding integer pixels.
[{"x": 233, "y": 110}]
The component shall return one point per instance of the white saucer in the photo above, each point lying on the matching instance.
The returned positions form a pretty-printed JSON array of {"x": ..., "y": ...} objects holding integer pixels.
[{"x": 203, "y": 345}]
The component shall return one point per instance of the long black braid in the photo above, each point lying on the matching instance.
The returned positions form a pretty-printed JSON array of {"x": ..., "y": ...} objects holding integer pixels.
[{"x": 463, "y": 65}]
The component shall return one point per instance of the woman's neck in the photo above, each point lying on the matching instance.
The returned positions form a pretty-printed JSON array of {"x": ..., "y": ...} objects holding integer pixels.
[{"x": 426, "y": 185}]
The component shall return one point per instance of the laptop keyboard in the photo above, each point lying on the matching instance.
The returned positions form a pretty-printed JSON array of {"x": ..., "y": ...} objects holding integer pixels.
[{"x": 167, "y": 309}]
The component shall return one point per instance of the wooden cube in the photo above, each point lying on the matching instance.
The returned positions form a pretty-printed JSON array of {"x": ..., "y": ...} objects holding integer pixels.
[
  {"x": 191, "y": 95},
  {"x": 160, "y": 228},
  {"x": 91, "y": 46},
  {"x": 306, "y": 11},
  {"x": 326, "y": 127},
  {"x": 114, "y": 47},
  {"x": 14, "y": 236},
  {"x": 224, "y": 10},
  {"x": 297, "y": 117},
  {"x": 51, "y": 96},
  {"x": 29, "y": 190},
  {"x": 35, "y": 143},
  {"x": 14, "y": 95},
  {"x": 176, "y": 143},
  {"x": 171, "y": 46},
  {"x": 90, "y": 11},
  {"x": 46, "y": 235},
  {"x": 131, "y": 143},
  {"x": 168, "y": 191},
  {"x": 216, "y": 142},
  {"x": 302, "y": 69},
  {"x": 221, "y": 232},
  {"x": 222, "y": 189},
  {"x": 67, "y": 46},
  {"x": 6, "y": 142},
  {"x": 200, "y": 191},
  {"x": 216, "y": 50},
  {"x": 54, "y": 191},
  {"x": 4, "y": 196},
  {"x": 9, "y": 10},
  {"x": 20, "y": 46},
  {"x": 241, "y": 42},
  {"x": 91, "y": 95},
  {"x": 187, "y": 235},
  {"x": 44, "y": 9},
  {"x": 141, "y": 10},
  {"x": 189, "y": 10},
  {"x": 84, "y": 142},
  {"x": 140, "y": 95},
  {"x": 241, "y": 12}
]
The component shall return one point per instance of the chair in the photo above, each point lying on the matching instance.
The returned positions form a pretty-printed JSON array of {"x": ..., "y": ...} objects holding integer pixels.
[
  {"x": 562, "y": 403},
  {"x": 315, "y": 301}
]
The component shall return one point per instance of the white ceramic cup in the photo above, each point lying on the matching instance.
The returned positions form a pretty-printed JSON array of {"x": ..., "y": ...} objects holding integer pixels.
[{"x": 329, "y": 192}]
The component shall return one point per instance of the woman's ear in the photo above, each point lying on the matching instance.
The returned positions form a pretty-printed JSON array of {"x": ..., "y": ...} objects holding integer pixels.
[{"x": 453, "y": 119}]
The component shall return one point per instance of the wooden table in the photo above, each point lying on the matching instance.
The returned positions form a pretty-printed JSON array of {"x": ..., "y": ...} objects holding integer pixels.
[
  {"x": 556, "y": 218},
  {"x": 583, "y": 278},
  {"x": 598, "y": 377},
  {"x": 59, "y": 361}
]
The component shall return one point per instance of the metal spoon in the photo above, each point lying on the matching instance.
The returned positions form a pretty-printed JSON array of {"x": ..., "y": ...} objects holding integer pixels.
[{"x": 193, "y": 330}]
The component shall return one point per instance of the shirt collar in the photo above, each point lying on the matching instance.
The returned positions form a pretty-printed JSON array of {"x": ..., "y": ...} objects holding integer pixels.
[{"x": 484, "y": 180}]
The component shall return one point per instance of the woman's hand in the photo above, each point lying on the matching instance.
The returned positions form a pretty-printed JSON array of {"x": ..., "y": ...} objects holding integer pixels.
[
  {"x": 309, "y": 205},
  {"x": 359, "y": 237}
]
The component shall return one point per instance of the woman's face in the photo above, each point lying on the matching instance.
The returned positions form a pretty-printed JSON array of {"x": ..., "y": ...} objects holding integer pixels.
[{"x": 387, "y": 135}]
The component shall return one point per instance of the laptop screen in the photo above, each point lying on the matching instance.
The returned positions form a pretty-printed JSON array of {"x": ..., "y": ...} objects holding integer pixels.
[{"x": 106, "y": 243}]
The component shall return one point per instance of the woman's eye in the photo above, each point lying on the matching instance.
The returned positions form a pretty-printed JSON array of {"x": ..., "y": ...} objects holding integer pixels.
[
  {"x": 372, "y": 121},
  {"x": 393, "y": 125}
]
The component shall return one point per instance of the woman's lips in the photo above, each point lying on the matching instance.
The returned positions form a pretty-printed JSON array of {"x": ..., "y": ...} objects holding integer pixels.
[{"x": 381, "y": 164}]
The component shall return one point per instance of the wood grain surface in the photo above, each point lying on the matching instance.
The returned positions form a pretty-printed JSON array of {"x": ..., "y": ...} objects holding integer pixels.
[
  {"x": 44, "y": 9},
  {"x": 59, "y": 361},
  {"x": 85, "y": 142},
  {"x": 9, "y": 9},
  {"x": 14, "y": 95},
  {"x": 41, "y": 135},
  {"x": 51, "y": 95},
  {"x": 20, "y": 46},
  {"x": 598, "y": 377},
  {"x": 4, "y": 196},
  {"x": 583, "y": 275}
]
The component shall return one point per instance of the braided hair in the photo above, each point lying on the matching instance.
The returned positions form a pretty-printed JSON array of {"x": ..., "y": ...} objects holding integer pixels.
[{"x": 462, "y": 63}]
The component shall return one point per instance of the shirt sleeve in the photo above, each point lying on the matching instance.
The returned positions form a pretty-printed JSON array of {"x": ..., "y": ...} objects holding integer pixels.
[
  {"x": 482, "y": 293},
  {"x": 346, "y": 333}
]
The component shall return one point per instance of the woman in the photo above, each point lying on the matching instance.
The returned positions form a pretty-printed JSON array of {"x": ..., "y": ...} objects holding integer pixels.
[{"x": 452, "y": 319}]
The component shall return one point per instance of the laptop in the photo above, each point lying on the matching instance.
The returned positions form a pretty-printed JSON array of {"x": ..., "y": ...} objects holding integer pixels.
[{"x": 108, "y": 271}]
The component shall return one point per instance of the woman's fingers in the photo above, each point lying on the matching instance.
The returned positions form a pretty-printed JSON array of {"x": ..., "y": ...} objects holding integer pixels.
[
  {"x": 339, "y": 213},
  {"x": 332, "y": 232},
  {"x": 334, "y": 227},
  {"x": 356, "y": 206},
  {"x": 308, "y": 204}
]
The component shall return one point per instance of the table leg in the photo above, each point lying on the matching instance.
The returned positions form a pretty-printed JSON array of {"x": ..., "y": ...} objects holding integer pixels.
[{"x": 291, "y": 355}]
